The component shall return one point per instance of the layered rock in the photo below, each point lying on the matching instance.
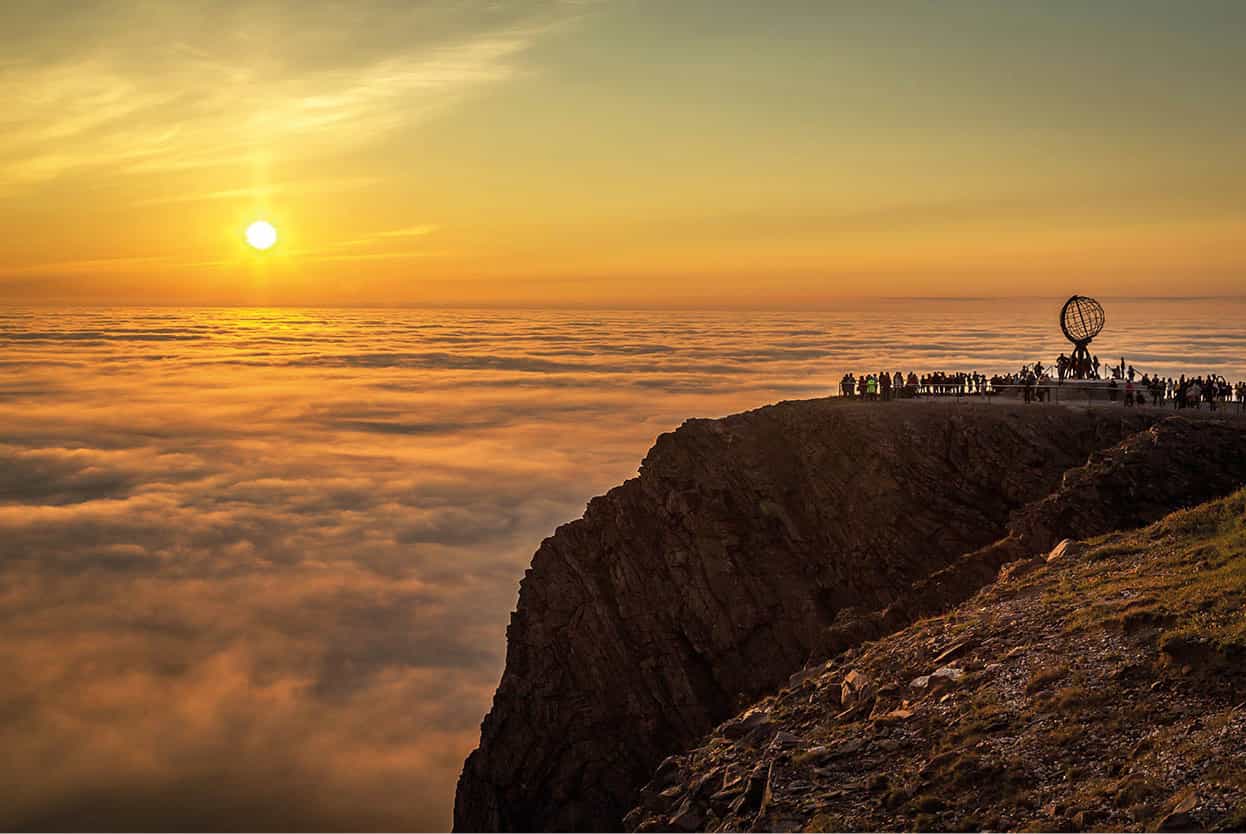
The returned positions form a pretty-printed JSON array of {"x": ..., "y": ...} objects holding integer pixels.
[{"x": 688, "y": 591}]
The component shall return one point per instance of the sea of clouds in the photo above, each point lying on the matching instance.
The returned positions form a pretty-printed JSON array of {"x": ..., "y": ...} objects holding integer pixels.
[{"x": 256, "y": 565}]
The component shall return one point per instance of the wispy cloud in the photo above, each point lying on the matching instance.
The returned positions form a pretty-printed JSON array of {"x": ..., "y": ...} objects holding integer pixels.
[
  {"x": 334, "y": 250},
  {"x": 183, "y": 95},
  {"x": 308, "y": 186},
  {"x": 410, "y": 231}
]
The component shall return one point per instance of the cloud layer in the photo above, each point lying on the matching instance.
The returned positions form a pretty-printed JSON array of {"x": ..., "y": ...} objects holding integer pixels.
[{"x": 256, "y": 566}]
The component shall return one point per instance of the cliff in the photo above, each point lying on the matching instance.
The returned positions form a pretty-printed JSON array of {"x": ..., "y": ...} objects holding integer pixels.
[{"x": 751, "y": 545}]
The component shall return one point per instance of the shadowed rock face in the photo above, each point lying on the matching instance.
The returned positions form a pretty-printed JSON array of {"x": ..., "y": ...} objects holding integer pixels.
[
  {"x": 686, "y": 592},
  {"x": 1178, "y": 462}
]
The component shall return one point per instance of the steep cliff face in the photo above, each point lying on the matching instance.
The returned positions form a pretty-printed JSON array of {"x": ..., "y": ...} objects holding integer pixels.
[
  {"x": 1178, "y": 462},
  {"x": 686, "y": 592}
]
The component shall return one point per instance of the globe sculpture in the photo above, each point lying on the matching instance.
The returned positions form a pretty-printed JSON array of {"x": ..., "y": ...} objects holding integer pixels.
[{"x": 1081, "y": 319}]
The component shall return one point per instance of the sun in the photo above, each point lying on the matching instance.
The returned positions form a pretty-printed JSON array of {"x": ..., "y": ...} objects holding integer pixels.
[{"x": 261, "y": 235}]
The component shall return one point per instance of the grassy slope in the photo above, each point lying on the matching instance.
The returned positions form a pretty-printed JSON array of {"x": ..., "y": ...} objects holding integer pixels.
[{"x": 1104, "y": 690}]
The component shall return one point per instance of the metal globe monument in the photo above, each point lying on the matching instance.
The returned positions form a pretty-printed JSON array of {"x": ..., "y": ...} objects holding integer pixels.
[{"x": 1081, "y": 319}]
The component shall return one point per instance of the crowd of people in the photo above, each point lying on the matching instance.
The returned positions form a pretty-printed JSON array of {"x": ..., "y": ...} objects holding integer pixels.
[
  {"x": 888, "y": 386},
  {"x": 1034, "y": 383}
]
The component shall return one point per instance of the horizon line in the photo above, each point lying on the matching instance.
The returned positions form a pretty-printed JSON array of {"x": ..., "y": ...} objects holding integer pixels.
[{"x": 681, "y": 306}]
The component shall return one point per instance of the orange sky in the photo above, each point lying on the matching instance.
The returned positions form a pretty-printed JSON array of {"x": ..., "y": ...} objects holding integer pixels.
[{"x": 619, "y": 152}]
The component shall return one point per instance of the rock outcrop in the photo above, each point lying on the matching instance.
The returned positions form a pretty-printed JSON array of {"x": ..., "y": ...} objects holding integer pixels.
[{"x": 750, "y": 545}]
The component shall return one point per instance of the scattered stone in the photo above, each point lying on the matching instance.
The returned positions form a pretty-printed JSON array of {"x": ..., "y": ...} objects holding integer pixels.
[
  {"x": 1183, "y": 802},
  {"x": 1082, "y": 820},
  {"x": 1066, "y": 549},
  {"x": 733, "y": 783},
  {"x": 895, "y": 716},
  {"x": 785, "y": 739},
  {"x": 687, "y": 818},
  {"x": 942, "y": 678},
  {"x": 760, "y": 734},
  {"x": 743, "y": 726},
  {"x": 855, "y": 689},
  {"x": 667, "y": 772},
  {"x": 754, "y": 791},
  {"x": 705, "y": 786},
  {"x": 1017, "y": 569},
  {"x": 1133, "y": 789},
  {"x": 852, "y": 745},
  {"x": 952, "y": 652},
  {"x": 633, "y": 819},
  {"x": 1178, "y": 821},
  {"x": 803, "y": 676},
  {"x": 767, "y": 795},
  {"x": 652, "y": 824}
]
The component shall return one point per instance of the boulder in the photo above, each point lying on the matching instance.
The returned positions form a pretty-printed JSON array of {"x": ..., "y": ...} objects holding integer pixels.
[
  {"x": 1178, "y": 821},
  {"x": 746, "y": 724},
  {"x": 687, "y": 818},
  {"x": 940, "y": 679},
  {"x": 1017, "y": 569},
  {"x": 855, "y": 690},
  {"x": 1066, "y": 549}
]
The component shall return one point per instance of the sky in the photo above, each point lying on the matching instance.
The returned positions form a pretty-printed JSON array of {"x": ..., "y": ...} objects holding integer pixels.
[{"x": 618, "y": 152}]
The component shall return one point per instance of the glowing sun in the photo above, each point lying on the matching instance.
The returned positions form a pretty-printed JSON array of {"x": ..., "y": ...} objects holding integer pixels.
[{"x": 261, "y": 235}]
